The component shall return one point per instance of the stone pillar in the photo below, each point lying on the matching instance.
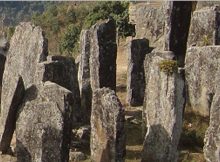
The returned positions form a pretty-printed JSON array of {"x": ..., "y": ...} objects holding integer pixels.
[
  {"x": 200, "y": 70},
  {"x": 107, "y": 127},
  {"x": 177, "y": 23},
  {"x": 27, "y": 48},
  {"x": 205, "y": 27},
  {"x": 84, "y": 75},
  {"x": 212, "y": 136},
  {"x": 103, "y": 55},
  {"x": 137, "y": 49},
  {"x": 163, "y": 107},
  {"x": 43, "y": 128}
]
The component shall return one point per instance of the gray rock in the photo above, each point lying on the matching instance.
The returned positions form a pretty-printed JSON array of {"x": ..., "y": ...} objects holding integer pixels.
[
  {"x": 163, "y": 109},
  {"x": 137, "y": 49},
  {"x": 177, "y": 23},
  {"x": 62, "y": 71},
  {"x": 103, "y": 55},
  {"x": 84, "y": 75},
  {"x": 206, "y": 4},
  {"x": 107, "y": 127},
  {"x": 205, "y": 27},
  {"x": 27, "y": 48},
  {"x": 43, "y": 128},
  {"x": 149, "y": 20},
  {"x": 201, "y": 66},
  {"x": 4, "y": 45},
  {"x": 8, "y": 116},
  {"x": 212, "y": 136}
]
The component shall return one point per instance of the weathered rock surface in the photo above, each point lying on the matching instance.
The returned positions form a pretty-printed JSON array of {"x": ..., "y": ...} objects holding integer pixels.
[
  {"x": 27, "y": 48},
  {"x": 8, "y": 118},
  {"x": 77, "y": 156},
  {"x": 177, "y": 23},
  {"x": 107, "y": 127},
  {"x": 201, "y": 66},
  {"x": 62, "y": 71},
  {"x": 204, "y": 28},
  {"x": 163, "y": 109},
  {"x": 212, "y": 136},
  {"x": 4, "y": 45},
  {"x": 103, "y": 55},
  {"x": 149, "y": 19},
  {"x": 206, "y": 4},
  {"x": 136, "y": 51},
  {"x": 43, "y": 128},
  {"x": 84, "y": 75}
]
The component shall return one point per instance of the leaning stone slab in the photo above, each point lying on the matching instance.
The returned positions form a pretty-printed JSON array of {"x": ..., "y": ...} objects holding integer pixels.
[
  {"x": 27, "y": 48},
  {"x": 84, "y": 74},
  {"x": 204, "y": 29},
  {"x": 137, "y": 49},
  {"x": 201, "y": 66},
  {"x": 107, "y": 127},
  {"x": 163, "y": 107},
  {"x": 103, "y": 55},
  {"x": 43, "y": 128}
]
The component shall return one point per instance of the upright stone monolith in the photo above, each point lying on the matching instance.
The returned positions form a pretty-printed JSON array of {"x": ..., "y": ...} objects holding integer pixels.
[
  {"x": 205, "y": 26},
  {"x": 137, "y": 49},
  {"x": 163, "y": 107},
  {"x": 43, "y": 128},
  {"x": 103, "y": 55},
  {"x": 177, "y": 23},
  {"x": 27, "y": 48},
  {"x": 212, "y": 137},
  {"x": 202, "y": 64},
  {"x": 107, "y": 127},
  {"x": 84, "y": 74}
]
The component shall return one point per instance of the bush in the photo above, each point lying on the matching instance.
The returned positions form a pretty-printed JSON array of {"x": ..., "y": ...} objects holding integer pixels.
[{"x": 168, "y": 66}]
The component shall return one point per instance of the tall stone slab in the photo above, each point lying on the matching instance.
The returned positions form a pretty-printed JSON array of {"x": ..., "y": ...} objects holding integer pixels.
[
  {"x": 205, "y": 27},
  {"x": 177, "y": 23},
  {"x": 103, "y": 55},
  {"x": 62, "y": 71},
  {"x": 201, "y": 66},
  {"x": 84, "y": 74},
  {"x": 136, "y": 51},
  {"x": 163, "y": 107},
  {"x": 148, "y": 19},
  {"x": 212, "y": 137},
  {"x": 107, "y": 127},
  {"x": 43, "y": 128},
  {"x": 27, "y": 48}
]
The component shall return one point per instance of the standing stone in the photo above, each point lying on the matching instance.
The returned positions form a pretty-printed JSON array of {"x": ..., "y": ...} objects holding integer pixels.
[
  {"x": 201, "y": 66},
  {"x": 84, "y": 74},
  {"x": 205, "y": 27},
  {"x": 103, "y": 55},
  {"x": 212, "y": 136},
  {"x": 163, "y": 107},
  {"x": 137, "y": 49},
  {"x": 27, "y": 48},
  {"x": 43, "y": 129},
  {"x": 107, "y": 127},
  {"x": 62, "y": 71},
  {"x": 177, "y": 16},
  {"x": 148, "y": 19}
]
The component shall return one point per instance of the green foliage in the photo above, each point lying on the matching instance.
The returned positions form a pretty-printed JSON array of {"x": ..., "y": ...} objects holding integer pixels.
[
  {"x": 10, "y": 32},
  {"x": 168, "y": 66},
  {"x": 112, "y": 9},
  {"x": 69, "y": 40}
]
